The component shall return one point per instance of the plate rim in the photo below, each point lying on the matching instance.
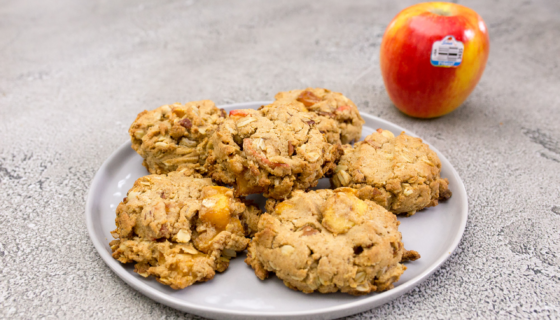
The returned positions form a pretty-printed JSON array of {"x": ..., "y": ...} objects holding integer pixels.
[{"x": 336, "y": 311}]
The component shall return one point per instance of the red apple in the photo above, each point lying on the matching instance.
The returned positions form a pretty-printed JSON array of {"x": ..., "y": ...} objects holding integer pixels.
[{"x": 426, "y": 72}]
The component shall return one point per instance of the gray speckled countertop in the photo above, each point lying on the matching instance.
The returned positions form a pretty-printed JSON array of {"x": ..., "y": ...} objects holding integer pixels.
[{"x": 74, "y": 74}]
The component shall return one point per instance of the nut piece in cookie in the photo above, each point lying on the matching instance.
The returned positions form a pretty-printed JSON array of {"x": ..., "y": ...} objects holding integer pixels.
[
  {"x": 328, "y": 241},
  {"x": 272, "y": 151},
  {"x": 331, "y": 105},
  {"x": 174, "y": 137},
  {"x": 181, "y": 229},
  {"x": 400, "y": 173}
]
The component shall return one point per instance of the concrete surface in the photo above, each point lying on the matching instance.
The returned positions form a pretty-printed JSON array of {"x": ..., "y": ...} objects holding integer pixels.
[{"x": 73, "y": 75}]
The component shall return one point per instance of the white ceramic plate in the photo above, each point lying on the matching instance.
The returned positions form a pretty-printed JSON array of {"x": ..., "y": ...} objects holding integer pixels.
[{"x": 238, "y": 293}]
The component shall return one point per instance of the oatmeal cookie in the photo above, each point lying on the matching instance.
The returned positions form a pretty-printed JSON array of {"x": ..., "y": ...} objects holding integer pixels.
[
  {"x": 400, "y": 173},
  {"x": 174, "y": 137},
  {"x": 272, "y": 153},
  {"x": 328, "y": 241},
  {"x": 327, "y": 126},
  {"x": 181, "y": 229},
  {"x": 332, "y": 105}
]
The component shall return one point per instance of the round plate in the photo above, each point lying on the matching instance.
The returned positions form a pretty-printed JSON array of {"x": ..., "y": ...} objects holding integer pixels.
[{"x": 238, "y": 293}]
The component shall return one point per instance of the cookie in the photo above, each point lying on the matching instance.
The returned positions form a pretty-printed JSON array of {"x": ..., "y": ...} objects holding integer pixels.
[
  {"x": 181, "y": 229},
  {"x": 327, "y": 126},
  {"x": 174, "y": 137},
  {"x": 328, "y": 241},
  {"x": 332, "y": 105},
  {"x": 400, "y": 173},
  {"x": 272, "y": 153}
]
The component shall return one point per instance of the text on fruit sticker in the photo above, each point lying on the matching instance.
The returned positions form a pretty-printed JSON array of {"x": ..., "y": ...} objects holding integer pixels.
[{"x": 447, "y": 52}]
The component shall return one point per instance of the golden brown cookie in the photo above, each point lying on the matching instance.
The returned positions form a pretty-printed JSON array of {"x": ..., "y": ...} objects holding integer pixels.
[
  {"x": 328, "y": 241},
  {"x": 271, "y": 152},
  {"x": 327, "y": 126},
  {"x": 181, "y": 229},
  {"x": 400, "y": 173},
  {"x": 332, "y": 105},
  {"x": 174, "y": 137}
]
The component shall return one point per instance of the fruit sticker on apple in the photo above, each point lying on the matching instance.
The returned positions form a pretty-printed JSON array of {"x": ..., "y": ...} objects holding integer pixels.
[
  {"x": 447, "y": 53},
  {"x": 432, "y": 56}
]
